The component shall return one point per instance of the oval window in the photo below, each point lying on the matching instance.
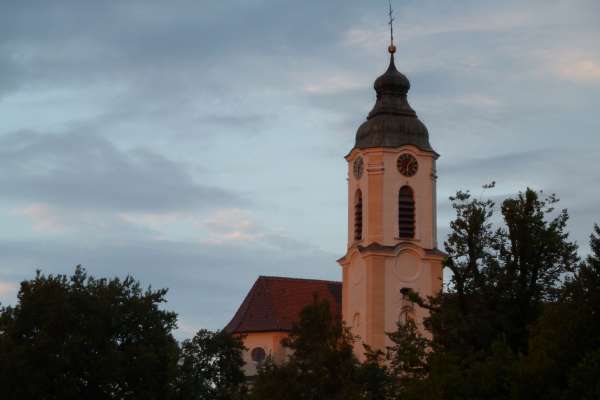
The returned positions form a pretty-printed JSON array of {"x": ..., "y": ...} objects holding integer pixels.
[{"x": 258, "y": 354}]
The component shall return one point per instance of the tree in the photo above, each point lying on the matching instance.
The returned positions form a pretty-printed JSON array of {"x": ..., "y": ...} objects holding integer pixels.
[
  {"x": 76, "y": 337},
  {"x": 210, "y": 367},
  {"x": 534, "y": 256},
  {"x": 377, "y": 381},
  {"x": 322, "y": 364},
  {"x": 505, "y": 275},
  {"x": 501, "y": 276},
  {"x": 563, "y": 360},
  {"x": 584, "y": 294},
  {"x": 409, "y": 352}
]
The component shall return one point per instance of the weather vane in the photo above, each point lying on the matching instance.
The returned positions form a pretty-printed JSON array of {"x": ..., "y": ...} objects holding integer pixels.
[{"x": 391, "y": 48}]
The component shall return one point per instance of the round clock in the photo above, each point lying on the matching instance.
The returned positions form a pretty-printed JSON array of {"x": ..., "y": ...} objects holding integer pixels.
[
  {"x": 407, "y": 165},
  {"x": 359, "y": 166}
]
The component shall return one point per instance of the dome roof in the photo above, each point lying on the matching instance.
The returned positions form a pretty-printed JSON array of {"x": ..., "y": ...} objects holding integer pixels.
[{"x": 392, "y": 122}]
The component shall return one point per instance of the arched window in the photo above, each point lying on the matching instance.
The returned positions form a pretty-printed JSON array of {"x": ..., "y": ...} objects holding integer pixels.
[
  {"x": 358, "y": 215},
  {"x": 356, "y": 321},
  {"x": 407, "y": 310},
  {"x": 406, "y": 213}
]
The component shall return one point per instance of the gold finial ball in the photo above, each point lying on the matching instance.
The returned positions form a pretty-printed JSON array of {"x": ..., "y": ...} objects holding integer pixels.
[{"x": 392, "y": 49}]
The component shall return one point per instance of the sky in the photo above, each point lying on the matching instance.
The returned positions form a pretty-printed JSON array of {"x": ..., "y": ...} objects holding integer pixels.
[{"x": 199, "y": 144}]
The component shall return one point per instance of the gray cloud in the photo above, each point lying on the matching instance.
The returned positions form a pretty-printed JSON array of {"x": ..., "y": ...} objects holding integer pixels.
[
  {"x": 207, "y": 282},
  {"x": 78, "y": 170},
  {"x": 9, "y": 74},
  {"x": 500, "y": 164},
  {"x": 85, "y": 42},
  {"x": 265, "y": 97}
]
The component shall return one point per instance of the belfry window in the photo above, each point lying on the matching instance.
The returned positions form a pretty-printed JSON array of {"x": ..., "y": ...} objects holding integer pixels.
[
  {"x": 358, "y": 215},
  {"x": 406, "y": 213}
]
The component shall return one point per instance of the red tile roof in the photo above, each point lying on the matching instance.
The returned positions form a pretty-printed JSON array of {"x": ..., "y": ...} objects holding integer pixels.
[{"x": 274, "y": 303}]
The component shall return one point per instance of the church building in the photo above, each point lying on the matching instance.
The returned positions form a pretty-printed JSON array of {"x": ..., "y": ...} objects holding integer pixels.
[{"x": 392, "y": 238}]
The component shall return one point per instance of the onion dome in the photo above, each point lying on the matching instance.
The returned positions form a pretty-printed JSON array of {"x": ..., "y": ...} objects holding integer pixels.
[{"x": 392, "y": 122}]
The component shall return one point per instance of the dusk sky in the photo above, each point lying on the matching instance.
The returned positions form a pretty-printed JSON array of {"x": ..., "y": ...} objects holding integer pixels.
[{"x": 199, "y": 144}]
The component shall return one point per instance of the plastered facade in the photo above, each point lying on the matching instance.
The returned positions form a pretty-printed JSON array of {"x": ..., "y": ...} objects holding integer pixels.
[
  {"x": 379, "y": 265},
  {"x": 270, "y": 342}
]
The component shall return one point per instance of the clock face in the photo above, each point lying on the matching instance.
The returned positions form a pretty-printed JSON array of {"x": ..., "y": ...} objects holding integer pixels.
[
  {"x": 407, "y": 165},
  {"x": 359, "y": 166}
]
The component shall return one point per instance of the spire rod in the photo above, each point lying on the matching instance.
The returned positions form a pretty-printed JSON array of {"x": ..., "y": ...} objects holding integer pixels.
[{"x": 391, "y": 48}]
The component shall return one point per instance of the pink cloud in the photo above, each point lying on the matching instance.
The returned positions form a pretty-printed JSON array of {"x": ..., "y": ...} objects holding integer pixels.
[
  {"x": 43, "y": 218},
  {"x": 582, "y": 70},
  {"x": 232, "y": 224},
  {"x": 8, "y": 289}
]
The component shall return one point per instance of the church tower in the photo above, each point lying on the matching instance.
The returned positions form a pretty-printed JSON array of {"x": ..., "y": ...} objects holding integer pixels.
[{"x": 392, "y": 242}]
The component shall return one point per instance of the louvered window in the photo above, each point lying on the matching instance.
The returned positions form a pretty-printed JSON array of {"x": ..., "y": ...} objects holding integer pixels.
[
  {"x": 406, "y": 213},
  {"x": 358, "y": 216}
]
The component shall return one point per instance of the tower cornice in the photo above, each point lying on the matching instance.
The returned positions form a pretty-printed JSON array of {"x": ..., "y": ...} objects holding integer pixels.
[
  {"x": 377, "y": 249},
  {"x": 390, "y": 150}
]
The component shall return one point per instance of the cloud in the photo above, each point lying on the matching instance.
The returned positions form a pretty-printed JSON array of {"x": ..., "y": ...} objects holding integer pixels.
[
  {"x": 237, "y": 227},
  {"x": 333, "y": 85},
  {"x": 174, "y": 140},
  {"x": 581, "y": 70},
  {"x": 218, "y": 227},
  {"x": 7, "y": 289},
  {"x": 82, "y": 171},
  {"x": 9, "y": 74},
  {"x": 248, "y": 121},
  {"x": 539, "y": 169},
  {"x": 234, "y": 224},
  {"x": 81, "y": 225},
  {"x": 8, "y": 292},
  {"x": 207, "y": 282},
  {"x": 155, "y": 221},
  {"x": 478, "y": 100},
  {"x": 472, "y": 22},
  {"x": 42, "y": 217},
  {"x": 507, "y": 163}
]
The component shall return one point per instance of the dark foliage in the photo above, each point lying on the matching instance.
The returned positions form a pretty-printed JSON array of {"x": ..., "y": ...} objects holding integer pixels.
[
  {"x": 210, "y": 367},
  {"x": 501, "y": 275},
  {"x": 563, "y": 361},
  {"x": 83, "y": 338},
  {"x": 322, "y": 364},
  {"x": 520, "y": 318}
]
